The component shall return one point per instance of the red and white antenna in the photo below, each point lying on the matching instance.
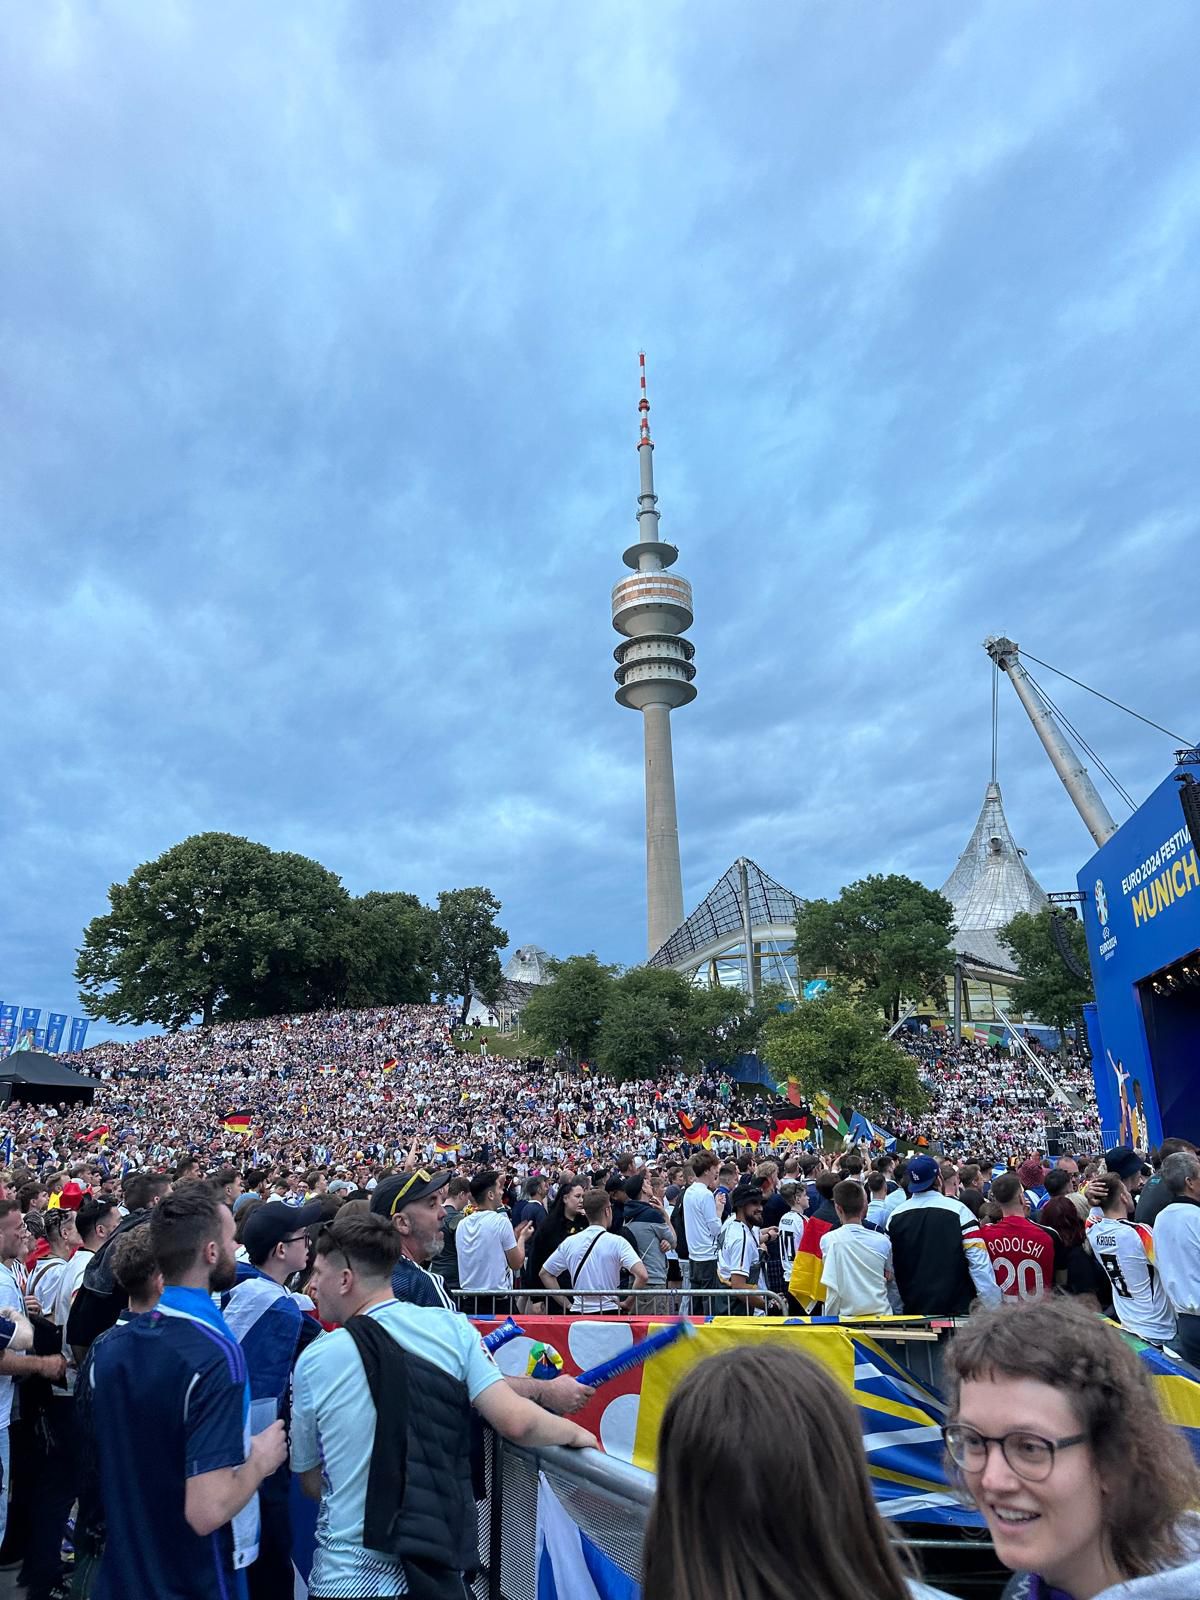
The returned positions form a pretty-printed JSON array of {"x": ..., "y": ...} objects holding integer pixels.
[{"x": 644, "y": 405}]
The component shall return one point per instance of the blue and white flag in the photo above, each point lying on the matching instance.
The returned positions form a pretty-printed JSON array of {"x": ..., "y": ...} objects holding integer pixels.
[
  {"x": 570, "y": 1566},
  {"x": 56, "y": 1026},
  {"x": 863, "y": 1128},
  {"x": 79, "y": 1027}
]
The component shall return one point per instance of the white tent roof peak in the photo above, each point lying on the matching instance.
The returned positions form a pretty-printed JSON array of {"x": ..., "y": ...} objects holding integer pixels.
[{"x": 991, "y": 882}]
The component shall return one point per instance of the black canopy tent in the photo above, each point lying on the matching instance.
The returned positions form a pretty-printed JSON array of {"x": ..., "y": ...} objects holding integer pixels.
[{"x": 31, "y": 1077}]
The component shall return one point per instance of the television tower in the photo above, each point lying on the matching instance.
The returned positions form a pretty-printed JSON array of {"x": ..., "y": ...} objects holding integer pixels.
[{"x": 654, "y": 675}]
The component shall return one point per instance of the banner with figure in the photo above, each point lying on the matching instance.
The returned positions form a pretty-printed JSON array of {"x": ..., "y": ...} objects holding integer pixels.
[
  {"x": 79, "y": 1027},
  {"x": 8, "y": 1028},
  {"x": 39, "y": 1038},
  {"x": 56, "y": 1026},
  {"x": 30, "y": 1017}
]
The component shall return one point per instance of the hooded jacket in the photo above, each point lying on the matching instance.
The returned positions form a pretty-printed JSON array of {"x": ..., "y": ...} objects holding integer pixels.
[
  {"x": 643, "y": 1225},
  {"x": 1178, "y": 1583}
]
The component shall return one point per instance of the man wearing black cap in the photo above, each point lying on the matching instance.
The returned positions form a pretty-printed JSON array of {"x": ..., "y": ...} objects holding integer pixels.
[
  {"x": 739, "y": 1250},
  {"x": 413, "y": 1204},
  {"x": 941, "y": 1259},
  {"x": 271, "y": 1325}
]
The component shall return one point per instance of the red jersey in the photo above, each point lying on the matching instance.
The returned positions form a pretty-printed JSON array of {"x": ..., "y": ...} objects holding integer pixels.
[{"x": 1022, "y": 1256}]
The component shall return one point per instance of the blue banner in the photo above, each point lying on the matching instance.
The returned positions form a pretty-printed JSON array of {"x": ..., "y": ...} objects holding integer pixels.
[
  {"x": 79, "y": 1027},
  {"x": 1141, "y": 913},
  {"x": 56, "y": 1026},
  {"x": 8, "y": 1028},
  {"x": 39, "y": 1038},
  {"x": 30, "y": 1017}
]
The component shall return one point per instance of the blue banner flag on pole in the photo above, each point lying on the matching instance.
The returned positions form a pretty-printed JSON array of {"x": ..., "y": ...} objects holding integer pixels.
[
  {"x": 39, "y": 1038},
  {"x": 79, "y": 1027},
  {"x": 56, "y": 1026},
  {"x": 8, "y": 1028},
  {"x": 30, "y": 1017}
]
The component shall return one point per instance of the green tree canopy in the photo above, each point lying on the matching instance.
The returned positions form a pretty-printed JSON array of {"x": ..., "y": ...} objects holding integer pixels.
[
  {"x": 888, "y": 936},
  {"x": 836, "y": 1043},
  {"x": 217, "y": 925},
  {"x": 565, "y": 1013},
  {"x": 1050, "y": 991},
  {"x": 468, "y": 942},
  {"x": 382, "y": 952},
  {"x": 645, "y": 1023}
]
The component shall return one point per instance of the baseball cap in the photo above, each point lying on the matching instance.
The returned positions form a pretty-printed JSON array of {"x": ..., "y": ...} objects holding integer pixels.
[
  {"x": 923, "y": 1172},
  {"x": 271, "y": 1225},
  {"x": 745, "y": 1194},
  {"x": 1126, "y": 1163},
  {"x": 393, "y": 1194},
  {"x": 71, "y": 1197}
]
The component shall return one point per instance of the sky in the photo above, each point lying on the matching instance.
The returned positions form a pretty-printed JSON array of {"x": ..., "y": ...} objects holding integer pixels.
[{"x": 318, "y": 369}]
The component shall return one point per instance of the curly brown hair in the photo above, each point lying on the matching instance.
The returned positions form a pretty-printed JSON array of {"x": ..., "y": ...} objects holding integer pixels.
[{"x": 1145, "y": 1463}]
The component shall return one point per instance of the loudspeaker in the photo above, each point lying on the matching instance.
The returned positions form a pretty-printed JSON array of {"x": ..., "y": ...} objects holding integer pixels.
[
  {"x": 1054, "y": 1142},
  {"x": 1062, "y": 944},
  {"x": 1189, "y": 799}
]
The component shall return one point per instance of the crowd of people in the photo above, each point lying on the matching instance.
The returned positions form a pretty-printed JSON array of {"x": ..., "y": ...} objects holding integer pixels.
[{"x": 257, "y": 1253}]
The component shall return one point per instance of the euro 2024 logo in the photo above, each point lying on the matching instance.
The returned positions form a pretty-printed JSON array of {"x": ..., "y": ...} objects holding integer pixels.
[{"x": 1102, "y": 905}]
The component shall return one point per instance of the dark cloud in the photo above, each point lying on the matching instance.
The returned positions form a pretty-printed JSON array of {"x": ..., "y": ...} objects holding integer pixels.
[{"x": 319, "y": 330}]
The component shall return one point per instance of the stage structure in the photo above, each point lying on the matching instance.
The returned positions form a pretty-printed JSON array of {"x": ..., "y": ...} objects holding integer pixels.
[
  {"x": 740, "y": 935},
  {"x": 652, "y": 609},
  {"x": 1140, "y": 894},
  {"x": 1141, "y": 899}
]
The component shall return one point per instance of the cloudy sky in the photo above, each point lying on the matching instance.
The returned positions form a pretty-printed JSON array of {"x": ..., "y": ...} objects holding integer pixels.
[{"x": 319, "y": 330}]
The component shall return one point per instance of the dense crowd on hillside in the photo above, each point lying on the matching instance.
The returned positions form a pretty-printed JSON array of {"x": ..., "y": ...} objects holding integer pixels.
[{"x": 337, "y": 1088}]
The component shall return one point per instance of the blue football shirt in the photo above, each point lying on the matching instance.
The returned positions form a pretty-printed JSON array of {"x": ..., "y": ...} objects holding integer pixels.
[{"x": 167, "y": 1405}]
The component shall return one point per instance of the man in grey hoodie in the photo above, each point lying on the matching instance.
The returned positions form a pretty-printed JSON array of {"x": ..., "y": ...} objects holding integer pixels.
[{"x": 651, "y": 1235}]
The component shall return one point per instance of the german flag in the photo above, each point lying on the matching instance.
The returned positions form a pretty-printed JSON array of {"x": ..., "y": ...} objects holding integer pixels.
[
  {"x": 697, "y": 1133},
  {"x": 238, "y": 1121},
  {"x": 805, "y": 1285},
  {"x": 390, "y": 1064},
  {"x": 753, "y": 1132},
  {"x": 442, "y": 1147},
  {"x": 100, "y": 1133},
  {"x": 787, "y": 1130},
  {"x": 793, "y": 1093}
]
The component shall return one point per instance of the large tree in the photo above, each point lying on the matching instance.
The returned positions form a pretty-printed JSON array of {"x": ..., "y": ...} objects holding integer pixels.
[
  {"x": 645, "y": 1026},
  {"x": 383, "y": 951},
  {"x": 565, "y": 1013},
  {"x": 1051, "y": 991},
  {"x": 217, "y": 925},
  {"x": 466, "y": 956},
  {"x": 888, "y": 936},
  {"x": 835, "y": 1043}
]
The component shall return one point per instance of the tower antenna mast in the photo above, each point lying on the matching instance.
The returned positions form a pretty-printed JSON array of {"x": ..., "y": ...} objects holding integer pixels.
[{"x": 651, "y": 610}]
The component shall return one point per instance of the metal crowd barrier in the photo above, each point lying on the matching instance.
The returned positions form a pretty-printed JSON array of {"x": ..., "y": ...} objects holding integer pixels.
[
  {"x": 669, "y": 1301},
  {"x": 609, "y": 1499}
]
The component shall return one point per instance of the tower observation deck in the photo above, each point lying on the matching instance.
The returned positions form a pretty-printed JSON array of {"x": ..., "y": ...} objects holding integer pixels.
[{"x": 652, "y": 609}]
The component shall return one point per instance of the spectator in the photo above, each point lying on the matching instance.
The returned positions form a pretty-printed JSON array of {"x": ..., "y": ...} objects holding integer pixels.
[
  {"x": 701, "y": 1225},
  {"x": 170, "y": 1530},
  {"x": 1125, "y": 1250},
  {"x": 941, "y": 1260},
  {"x": 413, "y": 1204},
  {"x": 489, "y": 1251},
  {"x": 1177, "y": 1248},
  {"x": 647, "y": 1226},
  {"x": 1157, "y": 1193},
  {"x": 1084, "y": 1276},
  {"x": 715, "y": 1527},
  {"x": 408, "y": 1524},
  {"x": 740, "y": 1250},
  {"x": 595, "y": 1260},
  {"x": 564, "y": 1218},
  {"x": 1024, "y": 1256},
  {"x": 857, "y": 1275},
  {"x": 1056, "y": 1432}
]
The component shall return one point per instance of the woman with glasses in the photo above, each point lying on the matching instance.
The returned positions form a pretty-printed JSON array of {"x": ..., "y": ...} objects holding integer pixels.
[{"x": 1055, "y": 1433}]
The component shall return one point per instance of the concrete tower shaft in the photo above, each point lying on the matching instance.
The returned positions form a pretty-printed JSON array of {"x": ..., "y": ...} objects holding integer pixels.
[{"x": 652, "y": 608}]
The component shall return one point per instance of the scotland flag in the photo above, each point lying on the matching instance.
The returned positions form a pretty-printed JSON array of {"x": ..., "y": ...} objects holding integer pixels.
[{"x": 570, "y": 1566}]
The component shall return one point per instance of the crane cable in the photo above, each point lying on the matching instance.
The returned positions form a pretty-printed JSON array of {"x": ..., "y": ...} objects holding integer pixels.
[
  {"x": 1178, "y": 737},
  {"x": 1082, "y": 742}
]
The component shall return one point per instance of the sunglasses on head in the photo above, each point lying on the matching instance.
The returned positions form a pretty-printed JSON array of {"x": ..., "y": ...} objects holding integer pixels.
[{"x": 419, "y": 1176}]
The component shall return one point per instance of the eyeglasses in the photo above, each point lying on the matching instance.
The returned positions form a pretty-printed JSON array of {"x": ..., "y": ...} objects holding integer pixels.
[
  {"x": 295, "y": 1238},
  {"x": 1029, "y": 1455}
]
